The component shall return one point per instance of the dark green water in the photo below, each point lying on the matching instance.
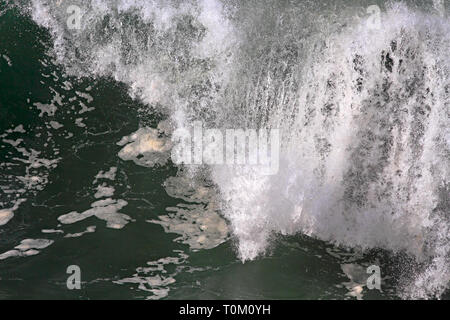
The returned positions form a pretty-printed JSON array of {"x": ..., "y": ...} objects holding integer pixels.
[{"x": 295, "y": 267}]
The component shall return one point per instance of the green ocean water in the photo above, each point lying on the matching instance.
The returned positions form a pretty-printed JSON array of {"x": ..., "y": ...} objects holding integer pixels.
[{"x": 141, "y": 260}]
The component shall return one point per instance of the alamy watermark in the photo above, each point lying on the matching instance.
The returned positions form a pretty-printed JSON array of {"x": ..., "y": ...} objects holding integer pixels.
[
  {"x": 231, "y": 147},
  {"x": 374, "y": 280},
  {"x": 74, "y": 280},
  {"x": 74, "y": 20},
  {"x": 374, "y": 19}
]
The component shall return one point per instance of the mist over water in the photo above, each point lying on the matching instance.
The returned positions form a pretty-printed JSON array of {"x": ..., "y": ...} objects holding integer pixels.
[{"x": 363, "y": 112}]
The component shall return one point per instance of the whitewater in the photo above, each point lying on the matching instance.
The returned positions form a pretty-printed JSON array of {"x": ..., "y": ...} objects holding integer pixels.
[{"x": 363, "y": 112}]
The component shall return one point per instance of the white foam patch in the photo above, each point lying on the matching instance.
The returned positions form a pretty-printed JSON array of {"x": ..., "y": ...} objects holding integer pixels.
[
  {"x": 104, "y": 191},
  {"x": 5, "y": 216},
  {"x": 18, "y": 253},
  {"x": 85, "y": 95},
  {"x": 35, "y": 179},
  {"x": 55, "y": 125},
  {"x": 90, "y": 229},
  {"x": 19, "y": 129},
  {"x": 52, "y": 231},
  {"x": 110, "y": 174},
  {"x": 107, "y": 210},
  {"x": 85, "y": 108},
  {"x": 35, "y": 171},
  {"x": 145, "y": 147},
  {"x": 155, "y": 278},
  {"x": 14, "y": 143},
  {"x": 27, "y": 244},
  {"x": 50, "y": 108},
  {"x": 199, "y": 223},
  {"x": 79, "y": 122},
  {"x": 27, "y": 247},
  {"x": 7, "y": 59}
]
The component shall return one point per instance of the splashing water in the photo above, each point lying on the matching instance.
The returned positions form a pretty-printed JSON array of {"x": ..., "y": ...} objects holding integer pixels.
[{"x": 363, "y": 112}]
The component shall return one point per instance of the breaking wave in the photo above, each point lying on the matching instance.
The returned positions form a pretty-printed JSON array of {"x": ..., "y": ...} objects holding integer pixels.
[{"x": 363, "y": 112}]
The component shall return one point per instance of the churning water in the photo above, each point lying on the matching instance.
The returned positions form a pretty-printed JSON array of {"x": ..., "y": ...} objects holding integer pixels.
[{"x": 362, "y": 108}]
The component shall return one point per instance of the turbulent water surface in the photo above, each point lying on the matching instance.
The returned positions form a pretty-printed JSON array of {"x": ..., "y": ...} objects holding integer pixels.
[{"x": 88, "y": 109}]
